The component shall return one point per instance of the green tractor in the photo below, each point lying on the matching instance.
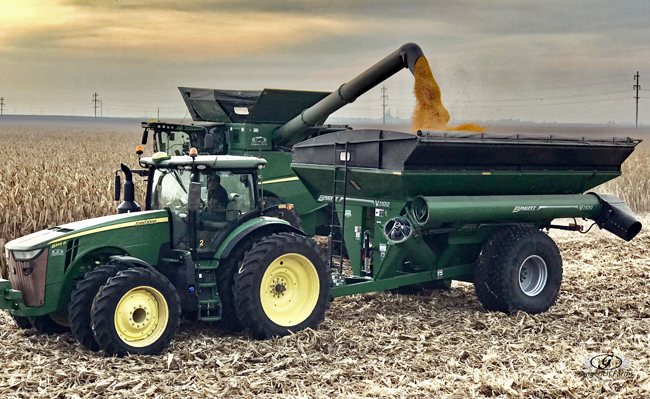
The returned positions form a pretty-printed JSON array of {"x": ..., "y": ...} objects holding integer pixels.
[{"x": 203, "y": 248}]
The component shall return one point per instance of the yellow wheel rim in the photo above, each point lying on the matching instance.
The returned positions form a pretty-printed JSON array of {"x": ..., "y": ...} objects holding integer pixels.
[
  {"x": 141, "y": 316},
  {"x": 289, "y": 290}
]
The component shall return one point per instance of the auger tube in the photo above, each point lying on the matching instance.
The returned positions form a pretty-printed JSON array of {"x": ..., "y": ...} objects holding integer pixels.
[{"x": 403, "y": 57}]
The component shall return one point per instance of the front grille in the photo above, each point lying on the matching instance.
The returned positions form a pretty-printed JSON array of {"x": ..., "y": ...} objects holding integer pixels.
[{"x": 29, "y": 278}]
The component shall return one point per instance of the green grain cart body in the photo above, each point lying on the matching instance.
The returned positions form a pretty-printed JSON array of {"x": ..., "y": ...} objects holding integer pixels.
[{"x": 419, "y": 207}]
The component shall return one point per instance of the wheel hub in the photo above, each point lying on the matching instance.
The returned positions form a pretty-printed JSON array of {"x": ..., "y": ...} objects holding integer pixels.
[
  {"x": 141, "y": 316},
  {"x": 533, "y": 275},
  {"x": 289, "y": 290}
]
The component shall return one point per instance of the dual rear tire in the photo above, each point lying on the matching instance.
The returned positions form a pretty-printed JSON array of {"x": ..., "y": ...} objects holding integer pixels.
[{"x": 124, "y": 311}]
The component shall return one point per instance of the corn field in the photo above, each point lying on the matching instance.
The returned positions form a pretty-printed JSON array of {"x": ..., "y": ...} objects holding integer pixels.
[{"x": 57, "y": 175}]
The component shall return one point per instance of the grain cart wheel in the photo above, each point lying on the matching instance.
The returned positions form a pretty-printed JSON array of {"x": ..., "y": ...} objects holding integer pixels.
[
  {"x": 22, "y": 322},
  {"x": 518, "y": 269},
  {"x": 283, "y": 285},
  {"x": 137, "y": 311},
  {"x": 81, "y": 303},
  {"x": 47, "y": 325},
  {"x": 289, "y": 215}
]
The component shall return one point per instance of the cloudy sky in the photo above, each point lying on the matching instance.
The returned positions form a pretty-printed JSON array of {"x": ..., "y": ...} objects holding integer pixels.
[{"x": 564, "y": 61}]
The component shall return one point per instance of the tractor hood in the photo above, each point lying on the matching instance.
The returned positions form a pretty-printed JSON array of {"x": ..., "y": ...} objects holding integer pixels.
[{"x": 58, "y": 234}]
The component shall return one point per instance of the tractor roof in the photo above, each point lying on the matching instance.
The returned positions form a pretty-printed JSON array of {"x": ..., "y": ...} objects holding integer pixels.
[{"x": 223, "y": 162}]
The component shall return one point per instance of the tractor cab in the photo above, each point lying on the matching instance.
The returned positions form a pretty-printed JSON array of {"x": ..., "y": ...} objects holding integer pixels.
[{"x": 222, "y": 190}]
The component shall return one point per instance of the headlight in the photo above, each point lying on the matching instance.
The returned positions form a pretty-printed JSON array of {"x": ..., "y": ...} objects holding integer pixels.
[
  {"x": 7, "y": 254},
  {"x": 27, "y": 255}
]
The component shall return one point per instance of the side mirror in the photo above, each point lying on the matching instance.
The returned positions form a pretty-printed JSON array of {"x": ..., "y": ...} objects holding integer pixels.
[
  {"x": 208, "y": 142},
  {"x": 145, "y": 136},
  {"x": 194, "y": 197}
]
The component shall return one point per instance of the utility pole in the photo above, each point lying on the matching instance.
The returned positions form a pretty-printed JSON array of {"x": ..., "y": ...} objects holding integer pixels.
[
  {"x": 158, "y": 119},
  {"x": 101, "y": 108},
  {"x": 2, "y": 105},
  {"x": 636, "y": 87},
  {"x": 95, "y": 101},
  {"x": 383, "y": 102}
]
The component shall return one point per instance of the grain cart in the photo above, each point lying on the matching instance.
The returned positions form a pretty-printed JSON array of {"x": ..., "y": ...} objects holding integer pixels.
[
  {"x": 121, "y": 282},
  {"x": 426, "y": 208},
  {"x": 266, "y": 124}
]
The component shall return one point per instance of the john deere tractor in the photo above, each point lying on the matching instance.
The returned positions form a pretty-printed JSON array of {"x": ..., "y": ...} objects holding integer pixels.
[{"x": 202, "y": 248}]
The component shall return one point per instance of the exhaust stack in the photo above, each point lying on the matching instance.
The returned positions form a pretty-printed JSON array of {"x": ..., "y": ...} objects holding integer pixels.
[{"x": 129, "y": 204}]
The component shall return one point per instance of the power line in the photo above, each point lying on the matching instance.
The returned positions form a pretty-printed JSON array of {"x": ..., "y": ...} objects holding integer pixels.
[
  {"x": 636, "y": 87},
  {"x": 552, "y": 88},
  {"x": 95, "y": 101}
]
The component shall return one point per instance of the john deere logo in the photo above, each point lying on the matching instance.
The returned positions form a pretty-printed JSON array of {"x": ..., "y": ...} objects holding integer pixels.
[{"x": 58, "y": 252}]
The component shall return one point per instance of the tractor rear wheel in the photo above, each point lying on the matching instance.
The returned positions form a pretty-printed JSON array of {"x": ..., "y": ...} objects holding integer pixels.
[
  {"x": 518, "y": 269},
  {"x": 81, "y": 303},
  {"x": 137, "y": 311},
  {"x": 289, "y": 215},
  {"x": 47, "y": 325},
  {"x": 225, "y": 279},
  {"x": 283, "y": 285}
]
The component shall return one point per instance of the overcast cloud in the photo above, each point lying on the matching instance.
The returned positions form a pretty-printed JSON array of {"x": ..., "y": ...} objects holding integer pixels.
[{"x": 528, "y": 60}]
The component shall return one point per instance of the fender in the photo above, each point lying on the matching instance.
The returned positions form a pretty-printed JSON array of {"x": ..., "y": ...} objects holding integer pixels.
[
  {"x": 273, "y": 224},
  {"x": 130, "y": 261}
]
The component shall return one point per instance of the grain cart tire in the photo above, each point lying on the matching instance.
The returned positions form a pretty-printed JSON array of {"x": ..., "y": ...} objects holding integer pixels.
[
  {"x": 225, "y": 280},
  {"x": 22, "y": 322},
  {"x": 289, "y": 215},
  {"x": 47, "y": 325},
  {"x": 518, "y": 269},
  {"x": 283, "y": 285},
  {"x": 136, "y": 312},
  {"x": 81, "y": 303}
]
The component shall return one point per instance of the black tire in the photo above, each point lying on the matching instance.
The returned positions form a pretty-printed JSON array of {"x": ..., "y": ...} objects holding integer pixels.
[
  {"x": 81, "y": 303},
  {"x": 503, "y": 268},
  {"x": 225, "y": 280},
  {"x": 47, "y": 325},
  {"x": 22, "y": 322},
  {"x": 249, "y": 280},
  {"x": 414, "y": 289},
  {"x": 289, "y": 215},
  {"x": 152, "y": 289}
]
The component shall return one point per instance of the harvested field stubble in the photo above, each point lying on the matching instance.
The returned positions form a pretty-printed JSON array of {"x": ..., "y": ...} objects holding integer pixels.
[{"x": 435, "y": 344}]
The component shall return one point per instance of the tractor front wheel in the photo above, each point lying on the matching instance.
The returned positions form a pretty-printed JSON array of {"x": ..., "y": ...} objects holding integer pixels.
[
  {"x": 47, "y": 325},
  {"x": 518, "y": 269},
  {"x": 136, "y": 312},
  {"x": 22, "y": 322},
  {"x": 81, "y": 303},
  {"x": 283, "y": 285}
]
